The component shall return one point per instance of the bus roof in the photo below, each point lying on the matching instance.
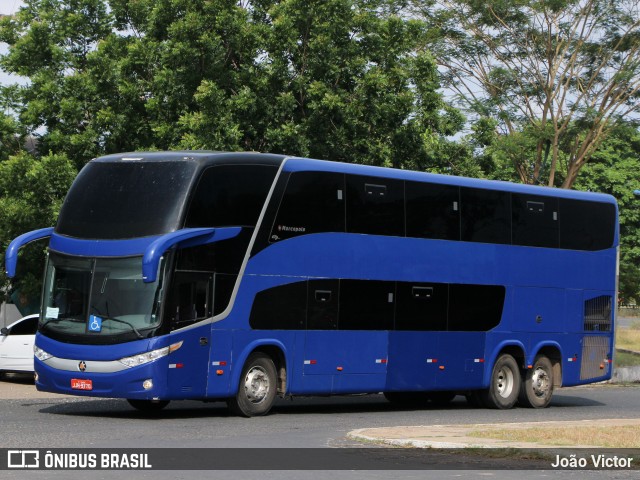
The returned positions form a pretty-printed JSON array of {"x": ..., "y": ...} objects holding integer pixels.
[
  {"x": 305, "y": 164},
  {"x": 205, "y": 158}
]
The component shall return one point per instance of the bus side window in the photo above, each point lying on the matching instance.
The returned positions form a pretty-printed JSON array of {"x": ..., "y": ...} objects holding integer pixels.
[
  {"x": 535, "y": 221},
  {"x": 323, "y": 301},
  {"x": 486, "y": 215},
  {"x": 189, "y": 299},
  {"x": 586, "y": 225},
  {"x": 366, "y": 305},
  {"x": 422, "y": 306},
  {"x": 375, "y": 206},
  {"x": 313, "y": 202},
  {"x": 280, "y": 308},
  {"x": 433, "y": 211}
]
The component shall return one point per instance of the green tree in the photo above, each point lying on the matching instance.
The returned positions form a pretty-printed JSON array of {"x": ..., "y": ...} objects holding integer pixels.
[
  {"x": 53, "y": 44},
  {"x": 614, "y": 170},
  {"x": 338, "y": 79},
  {"x": 31, "y": 193},
  {"x": 560, "y": 73}
]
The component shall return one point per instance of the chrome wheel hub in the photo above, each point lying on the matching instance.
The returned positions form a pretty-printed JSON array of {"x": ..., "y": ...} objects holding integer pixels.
[
  {"x": 504, "y": 382},
  {"x": 256, "y": 385},
  {"x": 540, "y": 382}
]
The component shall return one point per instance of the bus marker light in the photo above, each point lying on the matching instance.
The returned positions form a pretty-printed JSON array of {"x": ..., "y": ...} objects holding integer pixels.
[
  {"x": 478, "y": 360},
  {"x": 339, "y": 369},
  {"x": 219, "y": 372},
  {"x": 441, "y": 367},
  {"x": 432, "y": 360},
  {"x": 310, "y": 362},
  {"x": 602, "y": 366},
  {"x": 381, "y": 360},
  {"x": 220, "y": 363},
  {"x": 147, "y": 384},
  {"x": 529, "y": 367}
]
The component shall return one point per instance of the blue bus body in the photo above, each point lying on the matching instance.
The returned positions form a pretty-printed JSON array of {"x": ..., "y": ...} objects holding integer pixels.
[{"x": 344, "y": 305}]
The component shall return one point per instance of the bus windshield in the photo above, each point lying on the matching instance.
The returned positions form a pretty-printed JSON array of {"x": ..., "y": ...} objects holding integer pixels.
[{"x": 102, "y": 300}]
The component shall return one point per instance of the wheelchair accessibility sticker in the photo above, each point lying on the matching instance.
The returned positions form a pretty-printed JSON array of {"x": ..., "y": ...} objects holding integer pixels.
[{"x": 95, "y": 323}]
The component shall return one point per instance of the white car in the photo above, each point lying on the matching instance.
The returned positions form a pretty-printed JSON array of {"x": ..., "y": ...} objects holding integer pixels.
[{"x": 16, "y": 345}]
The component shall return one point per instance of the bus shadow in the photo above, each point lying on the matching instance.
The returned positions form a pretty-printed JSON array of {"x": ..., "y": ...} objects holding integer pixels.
[
  {"x": 21, "y": 378},
  {"x": 116, "y": 408}
]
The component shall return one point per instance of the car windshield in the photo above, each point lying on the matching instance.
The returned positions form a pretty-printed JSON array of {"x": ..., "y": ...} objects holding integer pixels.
[{"x": 101, "y": 300}]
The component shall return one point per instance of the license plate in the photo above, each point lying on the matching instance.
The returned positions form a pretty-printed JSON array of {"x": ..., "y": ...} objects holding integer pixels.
[{"x": 80, "y": 384}]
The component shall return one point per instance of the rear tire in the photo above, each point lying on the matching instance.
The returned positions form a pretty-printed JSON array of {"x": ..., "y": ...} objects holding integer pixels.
[
  {"x": 537, "y": 388},
  {"x": 504, "y": 386},
  {"x": 148, "y": 405},
  {"x": 257, "y": 388}
]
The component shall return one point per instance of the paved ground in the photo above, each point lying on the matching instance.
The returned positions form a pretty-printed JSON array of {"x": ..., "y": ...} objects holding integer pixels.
[{"x": 19, "y": 386}]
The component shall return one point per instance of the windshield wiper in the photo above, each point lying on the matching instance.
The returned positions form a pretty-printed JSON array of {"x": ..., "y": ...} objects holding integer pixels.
[{"x": 138, "y": 334}]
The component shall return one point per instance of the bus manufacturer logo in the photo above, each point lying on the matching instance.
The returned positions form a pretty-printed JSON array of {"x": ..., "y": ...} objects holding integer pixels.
[{"x": 82, "y": 366}]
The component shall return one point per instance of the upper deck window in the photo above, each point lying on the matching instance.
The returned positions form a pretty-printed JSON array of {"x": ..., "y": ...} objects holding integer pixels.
[
  {"x": 116, "y": 200},
  {"x": 230, "y": 195}
]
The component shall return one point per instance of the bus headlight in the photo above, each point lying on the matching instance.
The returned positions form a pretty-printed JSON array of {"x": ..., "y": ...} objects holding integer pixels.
[
  {"x": 41, "y": 354},
  {"x": 148, "y": 357}
]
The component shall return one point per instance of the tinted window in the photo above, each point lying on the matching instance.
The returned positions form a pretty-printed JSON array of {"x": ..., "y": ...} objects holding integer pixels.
[
  {"x": 189, "y": 299},
  {"x": 26, "y": 327},
  {"x": 322, "y": 302},
  {"x": 433, "y": 211},
  {"x": 586, "y": 225},
  {"x": 222, "y": 290},
  {"x": 313, "y": 202},
  {"x": 535, "y": 221},
  {"x": 280, "y": 308},
  {"x": 366, "y": 305},
  {"x": 475, "y": 308},
  {"x": 375, "y": 205},
  {"x": 230, "y": 195},
  {"x": 225, "y": 256},
  {"x": 486, "y": 216},
  {"x": 126, "y": 200},
  {"x": 422, "y": 306}
]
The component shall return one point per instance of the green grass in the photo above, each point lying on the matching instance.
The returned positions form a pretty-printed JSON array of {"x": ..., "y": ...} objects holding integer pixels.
[{"x": 623, "y": 359}]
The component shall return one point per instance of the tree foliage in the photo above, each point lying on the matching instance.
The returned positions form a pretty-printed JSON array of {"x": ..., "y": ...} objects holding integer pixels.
[
  {"x": 337, "y": 79},
  {"x": 614, "y": 170},
  {"x": 31, "y": 193},
  {"x": 557, "y": 76}
]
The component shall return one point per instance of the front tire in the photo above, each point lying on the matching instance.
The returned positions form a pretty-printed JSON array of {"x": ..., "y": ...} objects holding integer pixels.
[
  {"x": 257, "y": 389},
  {"x": 537, "y": 387},
  {"x": 504, "y": 387}
]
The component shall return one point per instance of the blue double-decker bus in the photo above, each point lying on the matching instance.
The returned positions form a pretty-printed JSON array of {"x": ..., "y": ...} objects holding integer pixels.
[{"x": 242, "y": 277}]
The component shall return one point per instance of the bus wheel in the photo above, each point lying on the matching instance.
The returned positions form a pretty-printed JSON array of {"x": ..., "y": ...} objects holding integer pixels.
[
  {"x": 148, "y": 405},
  {"x": 504, "y": 387},
  {"x": 257, "y": 389},
  {"x": 537, "y": 388}
]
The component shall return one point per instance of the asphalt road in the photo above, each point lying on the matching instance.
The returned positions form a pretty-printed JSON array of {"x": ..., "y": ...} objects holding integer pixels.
[{"x": 72, "y": 422}]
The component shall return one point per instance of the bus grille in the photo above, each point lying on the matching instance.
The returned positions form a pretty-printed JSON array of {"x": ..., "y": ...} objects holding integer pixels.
[
  {"x": 597, "y": 314},
  {"x": 595, "y": 351}
]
